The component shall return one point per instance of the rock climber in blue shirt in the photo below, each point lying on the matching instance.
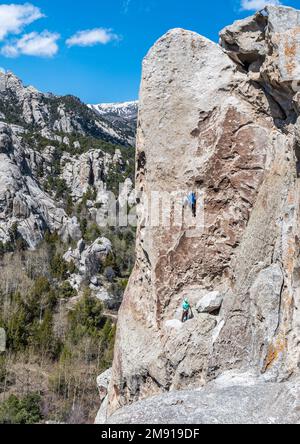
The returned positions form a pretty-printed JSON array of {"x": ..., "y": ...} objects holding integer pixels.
[{"x": 192, "y": 200}]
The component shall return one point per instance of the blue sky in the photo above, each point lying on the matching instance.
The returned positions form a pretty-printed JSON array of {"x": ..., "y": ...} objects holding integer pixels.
[{"x": 94, "y": 48}]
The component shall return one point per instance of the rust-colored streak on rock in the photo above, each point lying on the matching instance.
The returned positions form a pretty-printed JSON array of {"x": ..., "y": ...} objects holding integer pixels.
[
  {"x": 274, "y": 352},
  {"x": 290, "y": 51}
]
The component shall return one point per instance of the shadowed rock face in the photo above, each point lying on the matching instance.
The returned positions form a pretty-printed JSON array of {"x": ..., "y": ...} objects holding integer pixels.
[{"x": 207, "y": 123}]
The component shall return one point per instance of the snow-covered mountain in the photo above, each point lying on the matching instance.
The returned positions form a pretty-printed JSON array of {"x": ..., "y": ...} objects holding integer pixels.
[
  {"x": 125, "y": 110},
  {"x": 123, "y": 117}
]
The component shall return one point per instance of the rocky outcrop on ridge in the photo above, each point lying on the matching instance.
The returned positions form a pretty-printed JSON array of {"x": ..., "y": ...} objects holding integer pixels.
[
  {"x": 89, "y": 169},
  {"x": 89, "y": 260},
  {"x": 22, "y": 200},
  {"x": 222, "y": 120}
]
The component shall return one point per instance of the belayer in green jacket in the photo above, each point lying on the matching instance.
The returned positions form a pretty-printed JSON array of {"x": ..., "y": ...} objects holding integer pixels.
[{"x": 186, "y": 310}]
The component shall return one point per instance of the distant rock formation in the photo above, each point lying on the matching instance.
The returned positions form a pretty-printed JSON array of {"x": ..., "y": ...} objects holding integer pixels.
[
  {"x": 222, "y": 120},
  {"x": 22, "y": 200},
  {"x": 51, "y": 147}
]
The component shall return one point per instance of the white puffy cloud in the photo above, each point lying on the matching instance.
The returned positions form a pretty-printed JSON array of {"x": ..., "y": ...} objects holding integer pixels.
[
  {"x": 92, "y": 37},
  {"x": 2, "y": 70},
  {"x": 256, "y": 5},
  {"x": 42, "y": 44},
  {"x": 13, "y": 18},
  {"x": 9, "y": 51}
]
